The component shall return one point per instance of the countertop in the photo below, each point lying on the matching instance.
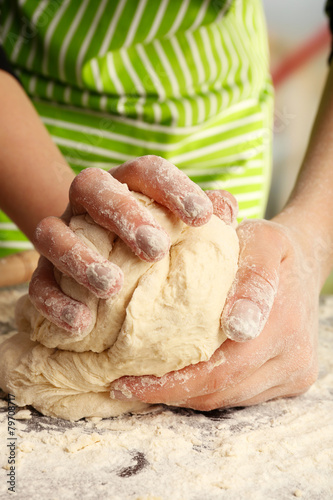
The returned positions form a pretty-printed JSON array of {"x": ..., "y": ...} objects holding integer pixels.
[{"x": 279, "y": 450}]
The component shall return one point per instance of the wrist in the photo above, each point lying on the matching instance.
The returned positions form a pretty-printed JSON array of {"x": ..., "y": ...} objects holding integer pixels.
[{"x": 311, "y": 237}]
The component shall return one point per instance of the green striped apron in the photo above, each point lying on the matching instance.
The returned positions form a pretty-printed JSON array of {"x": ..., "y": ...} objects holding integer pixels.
[{"x": 116, "y": 79}]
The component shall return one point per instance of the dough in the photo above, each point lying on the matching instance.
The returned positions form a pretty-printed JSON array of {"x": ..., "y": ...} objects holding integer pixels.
[{"x": 165, "y": 317}]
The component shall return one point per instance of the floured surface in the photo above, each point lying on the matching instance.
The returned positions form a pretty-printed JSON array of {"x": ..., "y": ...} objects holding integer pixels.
[{"x": 279, "y": 450}]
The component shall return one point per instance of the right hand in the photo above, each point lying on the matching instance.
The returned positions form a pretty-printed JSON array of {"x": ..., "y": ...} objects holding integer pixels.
[{"x": 107, "y": 199}]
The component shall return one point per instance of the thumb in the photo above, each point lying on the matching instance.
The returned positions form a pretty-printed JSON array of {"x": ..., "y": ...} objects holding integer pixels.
[{"x": 252, "y": 294}]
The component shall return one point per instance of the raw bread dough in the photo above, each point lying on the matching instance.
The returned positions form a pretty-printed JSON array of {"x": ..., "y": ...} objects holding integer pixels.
[{"x": 166, "y": 317}]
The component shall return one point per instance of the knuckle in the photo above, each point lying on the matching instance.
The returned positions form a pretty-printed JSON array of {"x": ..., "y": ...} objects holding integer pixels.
[
  {"x": 307, "y": 380},
  {"x": 43, "y": 229},
  {"x": 263, "y": 230},
  {"x": 85, "y": 179}
]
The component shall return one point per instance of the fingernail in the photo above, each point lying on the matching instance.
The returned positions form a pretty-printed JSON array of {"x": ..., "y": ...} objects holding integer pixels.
[
  {"x": 77, "y": 317},
  {"x": 104, "y": 278},
  {"x": 195, "y": 205},
  {"x": 243, "y": 322},
  {"x": 231, "y": 217},
  {"x": 122, "y": 396},
  {"x": 153, "y": 242}
]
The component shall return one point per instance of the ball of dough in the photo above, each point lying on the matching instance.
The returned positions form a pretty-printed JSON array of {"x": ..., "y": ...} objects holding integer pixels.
[{"x": 166, "y": 316}]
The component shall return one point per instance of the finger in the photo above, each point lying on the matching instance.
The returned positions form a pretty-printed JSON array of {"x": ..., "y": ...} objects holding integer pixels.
[
  {"x": 266, "y": 381},
  {"x": 165, "y": 183},
  {"x": 252, "y": 294},
  {"x": 60, "y": 245},
  {"x": 52, "y": 303},
  {"x": 225, "y": 206},
  {"x": 229, "y": 365},
  {"x": 113, "y": 207}
]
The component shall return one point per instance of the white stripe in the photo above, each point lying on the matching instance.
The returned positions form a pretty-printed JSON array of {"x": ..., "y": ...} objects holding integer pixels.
[
  {"x": 196, "y": 57},
  {"x": 49, "y": 89},
  {"x": 224, "y": 61},
  {"x": 200, "y": 15},
  {"x": 252, "y": 33},
  {"x": 103, "y": 101},
  {"x": 226, "y": 127},
  {"x": 182, "y": 61},
  {"x": 96, "y": 75},
  {"x": 157, "y": 112},
  {"x": 135, "y": 23},
  {"x": 174, "y": 114},
  {"x": 67, "y": 93},
  {"x": 121, "y": 105},
  {"x": 201, "y": 108},
  {"x": 167, "y": 66},
  {"x": 84, "y": 98},
  {"x": 87, "y": 39},
  {"x": 81, "y": 146},
  {"x": 227, "y": 168},
  {"x": 32, "y": 53},
  {"x": 213, "y": 148},
  {"x": 243, "y": 52},
  {"x": 8, "y": 226},
  {"x": 242, "y": 156},
  {"x": 24, "y": 245},
  {"x": 51, "y": 29},
  {"x": 157, "y": 21},
  {"x": 32, "y": 84},
  {"x": 187, "y": 111},
  {"x": 222, "y": 12},
  {"x": 214, "y": 171},
  {"x": 4, "y": 31},
  {"x": 228, "y": 184},
  {"x": 231, "y": 80},
  {"x": 22, "y": 2},
  {"x": 64, "y": 46},
  {"x": 206, "y": 44},
  {"x": 149, "y": 68},
  {"x": 249, "y": 212},
  {"x": 17, "y": 47},
  {"x": 113, "y": 74},
  {"x": 152, "y": 126},
  {"x": 34, "y": 19},
  {"x": 232, "y": 183},
  {"x": 179, "y": 18},
  {"x": 112, "y": 28},
  {"x": 213, "y": 104},
  {"x": 113, "y": 136},
  {"x": 86, "y": 163},
  {"x": 245, "y": 181},
  {"x": 133, "y": 74},
  {"x": 139, "y": 107}
]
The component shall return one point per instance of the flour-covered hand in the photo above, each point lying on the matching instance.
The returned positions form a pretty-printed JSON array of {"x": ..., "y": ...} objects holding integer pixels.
[{"x": 277, "y": 285}]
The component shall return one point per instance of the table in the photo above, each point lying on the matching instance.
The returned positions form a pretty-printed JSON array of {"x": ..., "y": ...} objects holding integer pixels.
[{"x": 278, "y": 450}]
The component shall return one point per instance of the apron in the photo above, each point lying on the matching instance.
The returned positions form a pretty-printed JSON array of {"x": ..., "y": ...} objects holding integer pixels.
[{"x": 116, "y": 79}]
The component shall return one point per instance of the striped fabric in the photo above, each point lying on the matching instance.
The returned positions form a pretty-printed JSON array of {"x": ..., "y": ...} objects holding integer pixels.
[{"x": 116, "y": 79}]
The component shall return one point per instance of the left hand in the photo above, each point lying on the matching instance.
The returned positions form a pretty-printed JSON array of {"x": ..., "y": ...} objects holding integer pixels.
[{"x": 278, "y": 277}]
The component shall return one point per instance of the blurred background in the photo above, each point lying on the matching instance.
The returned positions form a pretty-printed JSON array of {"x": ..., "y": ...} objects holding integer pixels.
[{"x": 300, "y": 45}]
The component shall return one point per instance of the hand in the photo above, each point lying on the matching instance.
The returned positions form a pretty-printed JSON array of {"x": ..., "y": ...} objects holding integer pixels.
[
  {"x": 107, "y": 199},
  {"x": 276, "y": 293}
]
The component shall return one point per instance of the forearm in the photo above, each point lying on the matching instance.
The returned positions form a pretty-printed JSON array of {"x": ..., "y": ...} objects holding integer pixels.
[
  {"x": 34, "y": 176},
  {"x": 310, "y": 206}
]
